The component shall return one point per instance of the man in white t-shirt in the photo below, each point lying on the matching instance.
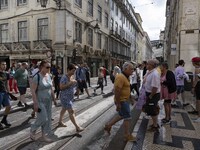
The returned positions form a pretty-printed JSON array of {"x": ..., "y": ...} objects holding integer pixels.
[{"x": 152, "y": 87}]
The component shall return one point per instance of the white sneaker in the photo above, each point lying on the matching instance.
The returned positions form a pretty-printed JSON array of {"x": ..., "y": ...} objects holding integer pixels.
[{"x": 197, "y": 120}]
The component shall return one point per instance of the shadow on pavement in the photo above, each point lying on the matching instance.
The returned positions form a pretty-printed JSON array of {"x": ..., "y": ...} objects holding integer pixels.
[{"x": 16, "y": 129}]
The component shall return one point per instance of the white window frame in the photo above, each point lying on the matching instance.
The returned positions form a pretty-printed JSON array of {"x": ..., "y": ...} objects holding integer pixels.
[
  {"x": 43, "y": 28},
  {"x": 90, "y": 36},
  {"x": 78, "y": 31},
  {"x": 4, "y": 4},
  {"x": 78, "y": 3},
  {"x": 23, "y": 31},
  {"x": 4, "y": 35}
]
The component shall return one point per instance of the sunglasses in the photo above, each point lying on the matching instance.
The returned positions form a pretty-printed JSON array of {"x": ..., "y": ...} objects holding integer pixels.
[{"x": 48, "y": 67}]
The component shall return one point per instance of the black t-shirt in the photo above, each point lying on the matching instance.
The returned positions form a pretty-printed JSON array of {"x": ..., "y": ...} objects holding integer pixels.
[{"x": 3, "y": 81}]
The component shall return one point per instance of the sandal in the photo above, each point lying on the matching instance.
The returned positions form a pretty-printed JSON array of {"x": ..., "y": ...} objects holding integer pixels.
[
  {"x": 79, "y": 129},
  {"x": 61, "y": 124}
]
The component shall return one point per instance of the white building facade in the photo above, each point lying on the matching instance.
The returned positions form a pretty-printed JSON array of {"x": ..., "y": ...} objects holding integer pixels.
[
  {"x": 182, "y": 31},
  {"x": 30, "y": 33}
]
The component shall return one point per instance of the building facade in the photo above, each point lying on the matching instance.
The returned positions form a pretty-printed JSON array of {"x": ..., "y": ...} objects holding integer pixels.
[
  {"x": 182, "y": 31},
  {"x": 66, "y": 32}
]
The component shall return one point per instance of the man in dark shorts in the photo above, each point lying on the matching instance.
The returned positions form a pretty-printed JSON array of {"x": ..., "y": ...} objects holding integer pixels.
[
  {"x": 21, "y": 76},
  {"x": 4, "y": 97},
  {"x": 81, "y": 79},
  {"x": 152, "y": 87}
]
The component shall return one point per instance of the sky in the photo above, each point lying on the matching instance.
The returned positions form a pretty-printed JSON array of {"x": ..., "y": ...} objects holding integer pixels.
[{"x": 153, "y": 16}]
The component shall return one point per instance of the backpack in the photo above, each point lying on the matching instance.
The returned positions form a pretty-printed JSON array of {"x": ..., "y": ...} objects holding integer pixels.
[{"x": 38, "y": 80}]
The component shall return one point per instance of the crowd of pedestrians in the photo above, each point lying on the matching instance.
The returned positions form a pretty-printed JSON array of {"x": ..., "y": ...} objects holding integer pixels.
[
  {"x": 159, "y": 83},
  {"x": 47, "y": 84}
]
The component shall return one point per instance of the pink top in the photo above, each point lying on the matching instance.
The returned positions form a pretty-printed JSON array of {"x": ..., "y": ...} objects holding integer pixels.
[{"x": 164, "y": 90}]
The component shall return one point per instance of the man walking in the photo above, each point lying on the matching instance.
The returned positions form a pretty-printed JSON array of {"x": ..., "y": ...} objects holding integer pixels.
[
  {"x": 4, "y": 97},
  {"x": 122, "y": 94},
  {"x": 81, "y": 79},
  {"x": 180, "y": 75},
  {"x": 21, "y": 75}
]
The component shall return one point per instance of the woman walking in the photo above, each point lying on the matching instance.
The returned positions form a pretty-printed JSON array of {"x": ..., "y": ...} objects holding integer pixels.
[
  {"x": 168, "y": 90},
  {"x": 67, "y": 85},
  {"x": 43, "y": 95}
]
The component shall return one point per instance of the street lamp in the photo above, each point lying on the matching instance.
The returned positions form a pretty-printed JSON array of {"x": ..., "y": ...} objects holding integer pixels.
[
  {"x": 96, "y": 27},
  {"x": 44, "y": 3}
]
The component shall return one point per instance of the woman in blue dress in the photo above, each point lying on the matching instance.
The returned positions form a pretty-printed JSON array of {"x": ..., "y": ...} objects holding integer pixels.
[
  {"x": 43, "y": 95},
  {"x": 67, "y": 84}
]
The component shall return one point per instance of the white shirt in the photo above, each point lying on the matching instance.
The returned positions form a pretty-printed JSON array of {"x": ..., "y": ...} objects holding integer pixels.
[
  {"x": 133, "y": 78},
  {"x": 153, "y": 80}
]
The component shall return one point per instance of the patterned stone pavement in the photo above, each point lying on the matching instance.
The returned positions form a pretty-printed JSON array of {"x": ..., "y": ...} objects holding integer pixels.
[{"x": 181, "y": 133}]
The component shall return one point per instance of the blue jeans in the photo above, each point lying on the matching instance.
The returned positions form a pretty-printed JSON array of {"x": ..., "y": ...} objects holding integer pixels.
[
  {"x": 125, "y": 111},
  {"x": 4, "y": 99}
]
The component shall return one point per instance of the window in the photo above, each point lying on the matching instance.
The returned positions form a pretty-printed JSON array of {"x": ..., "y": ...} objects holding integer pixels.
[
  {"x": 120, "y": 31},
  {"x": 99, "y": 40},
  {"x": 22, "y": 31},
  {"x": 43, "y": 29},
  {"x": 3, "y": 3},
  {"x": 106, "y": 43},
  {"x": 112, "y": 5},
  {"x": 79, "y": 3},
  {"x": 116, "y": 11},
  {"x": 4, "y": 33},
  {"x": 99, "y": 13},
  {"x": 106, "y": 20},
  {"x": 111, "y": 44},
  {"x": 90, "y": 36},
  {"x": 21, "y": 2},
  {"x": 112, "y": 24},
  {"x": 90, "y": 7},
  {"x": 78, "y": 31},
  {"x": 116, "y": 27}
]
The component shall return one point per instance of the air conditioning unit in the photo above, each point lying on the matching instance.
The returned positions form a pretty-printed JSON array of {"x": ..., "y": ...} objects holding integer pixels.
[{"x": 87, "y": 48}]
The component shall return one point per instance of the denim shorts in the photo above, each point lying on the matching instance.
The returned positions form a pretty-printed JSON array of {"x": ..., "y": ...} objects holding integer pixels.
[
  {"x": 4, "y": 99},
  {"x": 22, "y": 90},
  {"x": 125, "y": 111},
  {"x": 180, "y": 89}
]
